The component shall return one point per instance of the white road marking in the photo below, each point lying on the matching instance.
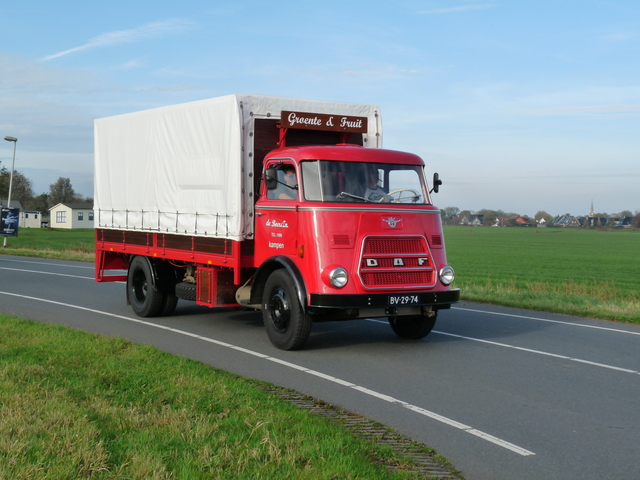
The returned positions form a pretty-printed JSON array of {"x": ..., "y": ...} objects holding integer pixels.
[
  {"x": 46, "y": 273},
  {"x": 529, "y": 350},
  {"x": 571, "y": 324},
  {"x": 89, "y": 266},
  {"x": 366, "y": 391},
  {"x": 540, "y": 352}
]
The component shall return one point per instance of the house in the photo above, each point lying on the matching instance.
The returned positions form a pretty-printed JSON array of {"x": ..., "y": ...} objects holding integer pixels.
[
  {"x": 476, "y": 220},
  {"x": 566, "y": 221},
  {"x": 30, "y": 219},
  {"x": 461, "y": 220},
  {"x": 521, "y": 221},
  {"x": 625, "y": 222},
  {"x": 473, "y": 220},
  {"x": 71, "y": 215},
  {"x": 14, "y": 204},
  {"x": 27, "y": 219}
]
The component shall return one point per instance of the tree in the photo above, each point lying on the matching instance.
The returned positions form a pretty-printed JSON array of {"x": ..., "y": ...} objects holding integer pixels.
[
  {"x": 542, "y": 214},
  {"x": 448, "y": 213},
  {"x": 626, "y": 213},
  {"x": 61, "y": 192},
  {"x": 635, "y": 221},
  {"x": 21, "y": 189},
  {"x": 40, "y": 203},
  {"x": 490, "y": 217},
  {"x": 510, "y": 219}
]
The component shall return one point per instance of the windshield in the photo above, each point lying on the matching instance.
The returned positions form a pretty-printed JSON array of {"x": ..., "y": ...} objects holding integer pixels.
[{"x": 332, "y": 181}]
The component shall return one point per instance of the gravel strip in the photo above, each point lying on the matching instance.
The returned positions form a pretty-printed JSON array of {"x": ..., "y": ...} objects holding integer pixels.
[{"x": 417, "y": 457}]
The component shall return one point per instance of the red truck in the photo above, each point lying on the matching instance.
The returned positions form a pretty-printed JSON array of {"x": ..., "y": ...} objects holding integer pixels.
[{"x": 284, "y": 205}]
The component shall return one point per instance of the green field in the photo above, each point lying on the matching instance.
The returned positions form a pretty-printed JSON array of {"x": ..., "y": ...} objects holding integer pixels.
[
  {"x": 52, "y": 243},
  {"x": 593, "y": 273}
]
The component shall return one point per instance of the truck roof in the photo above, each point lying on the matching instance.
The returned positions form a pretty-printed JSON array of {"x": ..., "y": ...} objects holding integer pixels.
[{"x": 348, "y": 153}]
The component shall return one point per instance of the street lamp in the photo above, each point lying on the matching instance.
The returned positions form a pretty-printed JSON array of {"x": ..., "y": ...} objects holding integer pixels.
[{"x": 15, "y": 142}]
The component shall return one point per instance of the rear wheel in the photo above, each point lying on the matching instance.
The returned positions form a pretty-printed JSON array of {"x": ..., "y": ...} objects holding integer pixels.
[
  {"x": 412, "y": 327},
  {"x": 145, "y": 300},
  {"x": 169, "y": 303},
  {"x": 288, "y": 325}
]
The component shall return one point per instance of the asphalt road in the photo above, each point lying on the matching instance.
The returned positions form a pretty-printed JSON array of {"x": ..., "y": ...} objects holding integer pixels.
[{"x": 501, "y": 393}]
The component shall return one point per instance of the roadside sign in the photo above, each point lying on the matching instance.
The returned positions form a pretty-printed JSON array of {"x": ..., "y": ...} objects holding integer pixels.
[{"x": 9, "y": 222}]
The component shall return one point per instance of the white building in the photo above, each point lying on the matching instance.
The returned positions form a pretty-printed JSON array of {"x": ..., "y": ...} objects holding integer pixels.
[
  {"x": 30, "y": 219},
  {"x": 71, "y": 215}
]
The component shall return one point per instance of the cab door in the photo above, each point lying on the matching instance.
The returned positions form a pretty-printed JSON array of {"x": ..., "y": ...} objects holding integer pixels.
[{"x": 276, "y": 224}]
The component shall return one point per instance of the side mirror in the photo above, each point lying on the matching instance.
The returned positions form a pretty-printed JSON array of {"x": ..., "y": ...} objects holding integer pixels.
[
  {"x": 436, "y": 183},
  {"x": 271, "y": 178}
]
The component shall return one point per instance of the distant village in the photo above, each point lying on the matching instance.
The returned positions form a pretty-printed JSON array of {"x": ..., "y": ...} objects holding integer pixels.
[
  {"x": 567, "y": 220},
  {"x": 493, "y": 218}
]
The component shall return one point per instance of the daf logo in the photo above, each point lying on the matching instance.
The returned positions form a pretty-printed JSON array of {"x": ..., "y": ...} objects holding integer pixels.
[
  {"x": 372, "y": 262},
  {"x": 397, "y": 262},
  {"x": 392, "y": 222}
]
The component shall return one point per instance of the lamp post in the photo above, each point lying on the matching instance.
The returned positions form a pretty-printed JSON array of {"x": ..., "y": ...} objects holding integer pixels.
[{"x": 15, "y": 142}]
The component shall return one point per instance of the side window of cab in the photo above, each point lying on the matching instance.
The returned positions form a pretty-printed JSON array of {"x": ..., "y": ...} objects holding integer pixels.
[{"x": 282, "y": 182}]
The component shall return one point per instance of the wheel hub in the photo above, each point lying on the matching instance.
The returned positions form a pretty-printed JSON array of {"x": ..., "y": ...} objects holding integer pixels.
[{"x": 280, "y": 310}]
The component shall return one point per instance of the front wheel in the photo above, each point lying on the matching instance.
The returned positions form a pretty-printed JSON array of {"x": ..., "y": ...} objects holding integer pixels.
[
  {"x": 412, "y": 327},
  {"x": 288, "y": 325}
]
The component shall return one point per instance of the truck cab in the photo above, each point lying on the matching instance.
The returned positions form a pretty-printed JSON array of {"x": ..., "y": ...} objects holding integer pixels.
[{"x": 356, "y": 233}]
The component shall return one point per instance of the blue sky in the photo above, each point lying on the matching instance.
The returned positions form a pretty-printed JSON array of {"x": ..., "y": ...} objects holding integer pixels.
[{"x": 519, "y": 105}]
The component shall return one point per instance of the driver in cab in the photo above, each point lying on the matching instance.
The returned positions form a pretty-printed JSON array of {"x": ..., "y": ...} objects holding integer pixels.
[
  {"x": 374, "y": 192},
  {"x": 287, "y": 188}
]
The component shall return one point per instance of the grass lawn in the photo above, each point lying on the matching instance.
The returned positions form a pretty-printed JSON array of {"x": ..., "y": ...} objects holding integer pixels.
[{"x": 80, "y": 405}]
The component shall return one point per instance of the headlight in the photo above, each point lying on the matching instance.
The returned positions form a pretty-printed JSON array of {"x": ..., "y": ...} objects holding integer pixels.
[
  {"x": 338, "y": 277},
  {"x": 447, "y": 275}
]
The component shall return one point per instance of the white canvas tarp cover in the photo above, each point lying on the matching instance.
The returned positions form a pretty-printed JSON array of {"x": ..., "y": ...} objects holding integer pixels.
[{"x": 188, "y": 169}]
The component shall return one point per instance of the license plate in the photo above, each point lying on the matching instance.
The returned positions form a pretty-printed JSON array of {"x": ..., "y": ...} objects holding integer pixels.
[{"x": 401, "y": 300}]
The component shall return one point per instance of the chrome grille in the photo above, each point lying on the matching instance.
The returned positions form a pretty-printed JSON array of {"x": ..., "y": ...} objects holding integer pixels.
[{"x": 396, "y": 262}]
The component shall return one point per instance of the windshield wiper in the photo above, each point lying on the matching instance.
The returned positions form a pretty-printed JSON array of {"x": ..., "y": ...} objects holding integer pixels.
[{"x": 345, "y": 194}]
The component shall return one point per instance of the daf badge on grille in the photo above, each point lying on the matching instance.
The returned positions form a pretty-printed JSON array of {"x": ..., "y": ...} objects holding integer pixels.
[{"x": 392, "y": 222}]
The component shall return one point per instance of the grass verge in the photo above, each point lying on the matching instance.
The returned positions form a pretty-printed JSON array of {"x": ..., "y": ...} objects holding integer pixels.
[{"x": 80, "y": 405}]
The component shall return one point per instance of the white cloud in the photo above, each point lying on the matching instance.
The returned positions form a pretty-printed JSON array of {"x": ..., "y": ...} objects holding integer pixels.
[{"x": 150, "y": 30}]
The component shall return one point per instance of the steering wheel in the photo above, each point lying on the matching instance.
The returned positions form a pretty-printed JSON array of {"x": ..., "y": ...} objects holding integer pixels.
[{"x": 413, "y": 198}]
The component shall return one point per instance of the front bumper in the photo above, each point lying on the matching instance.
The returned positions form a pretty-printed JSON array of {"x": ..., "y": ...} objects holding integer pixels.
[{"x": 438, "y": 300}]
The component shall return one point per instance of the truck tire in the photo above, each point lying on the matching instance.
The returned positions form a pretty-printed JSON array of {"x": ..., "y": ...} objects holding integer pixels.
[
  {"x": 288, "y": 325},
  {"x": 169, "y": 303},
  {"x": 412, "y": 327},
  {"x": 186, "y": 291},
  {"x": 145, "y": 300}
]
